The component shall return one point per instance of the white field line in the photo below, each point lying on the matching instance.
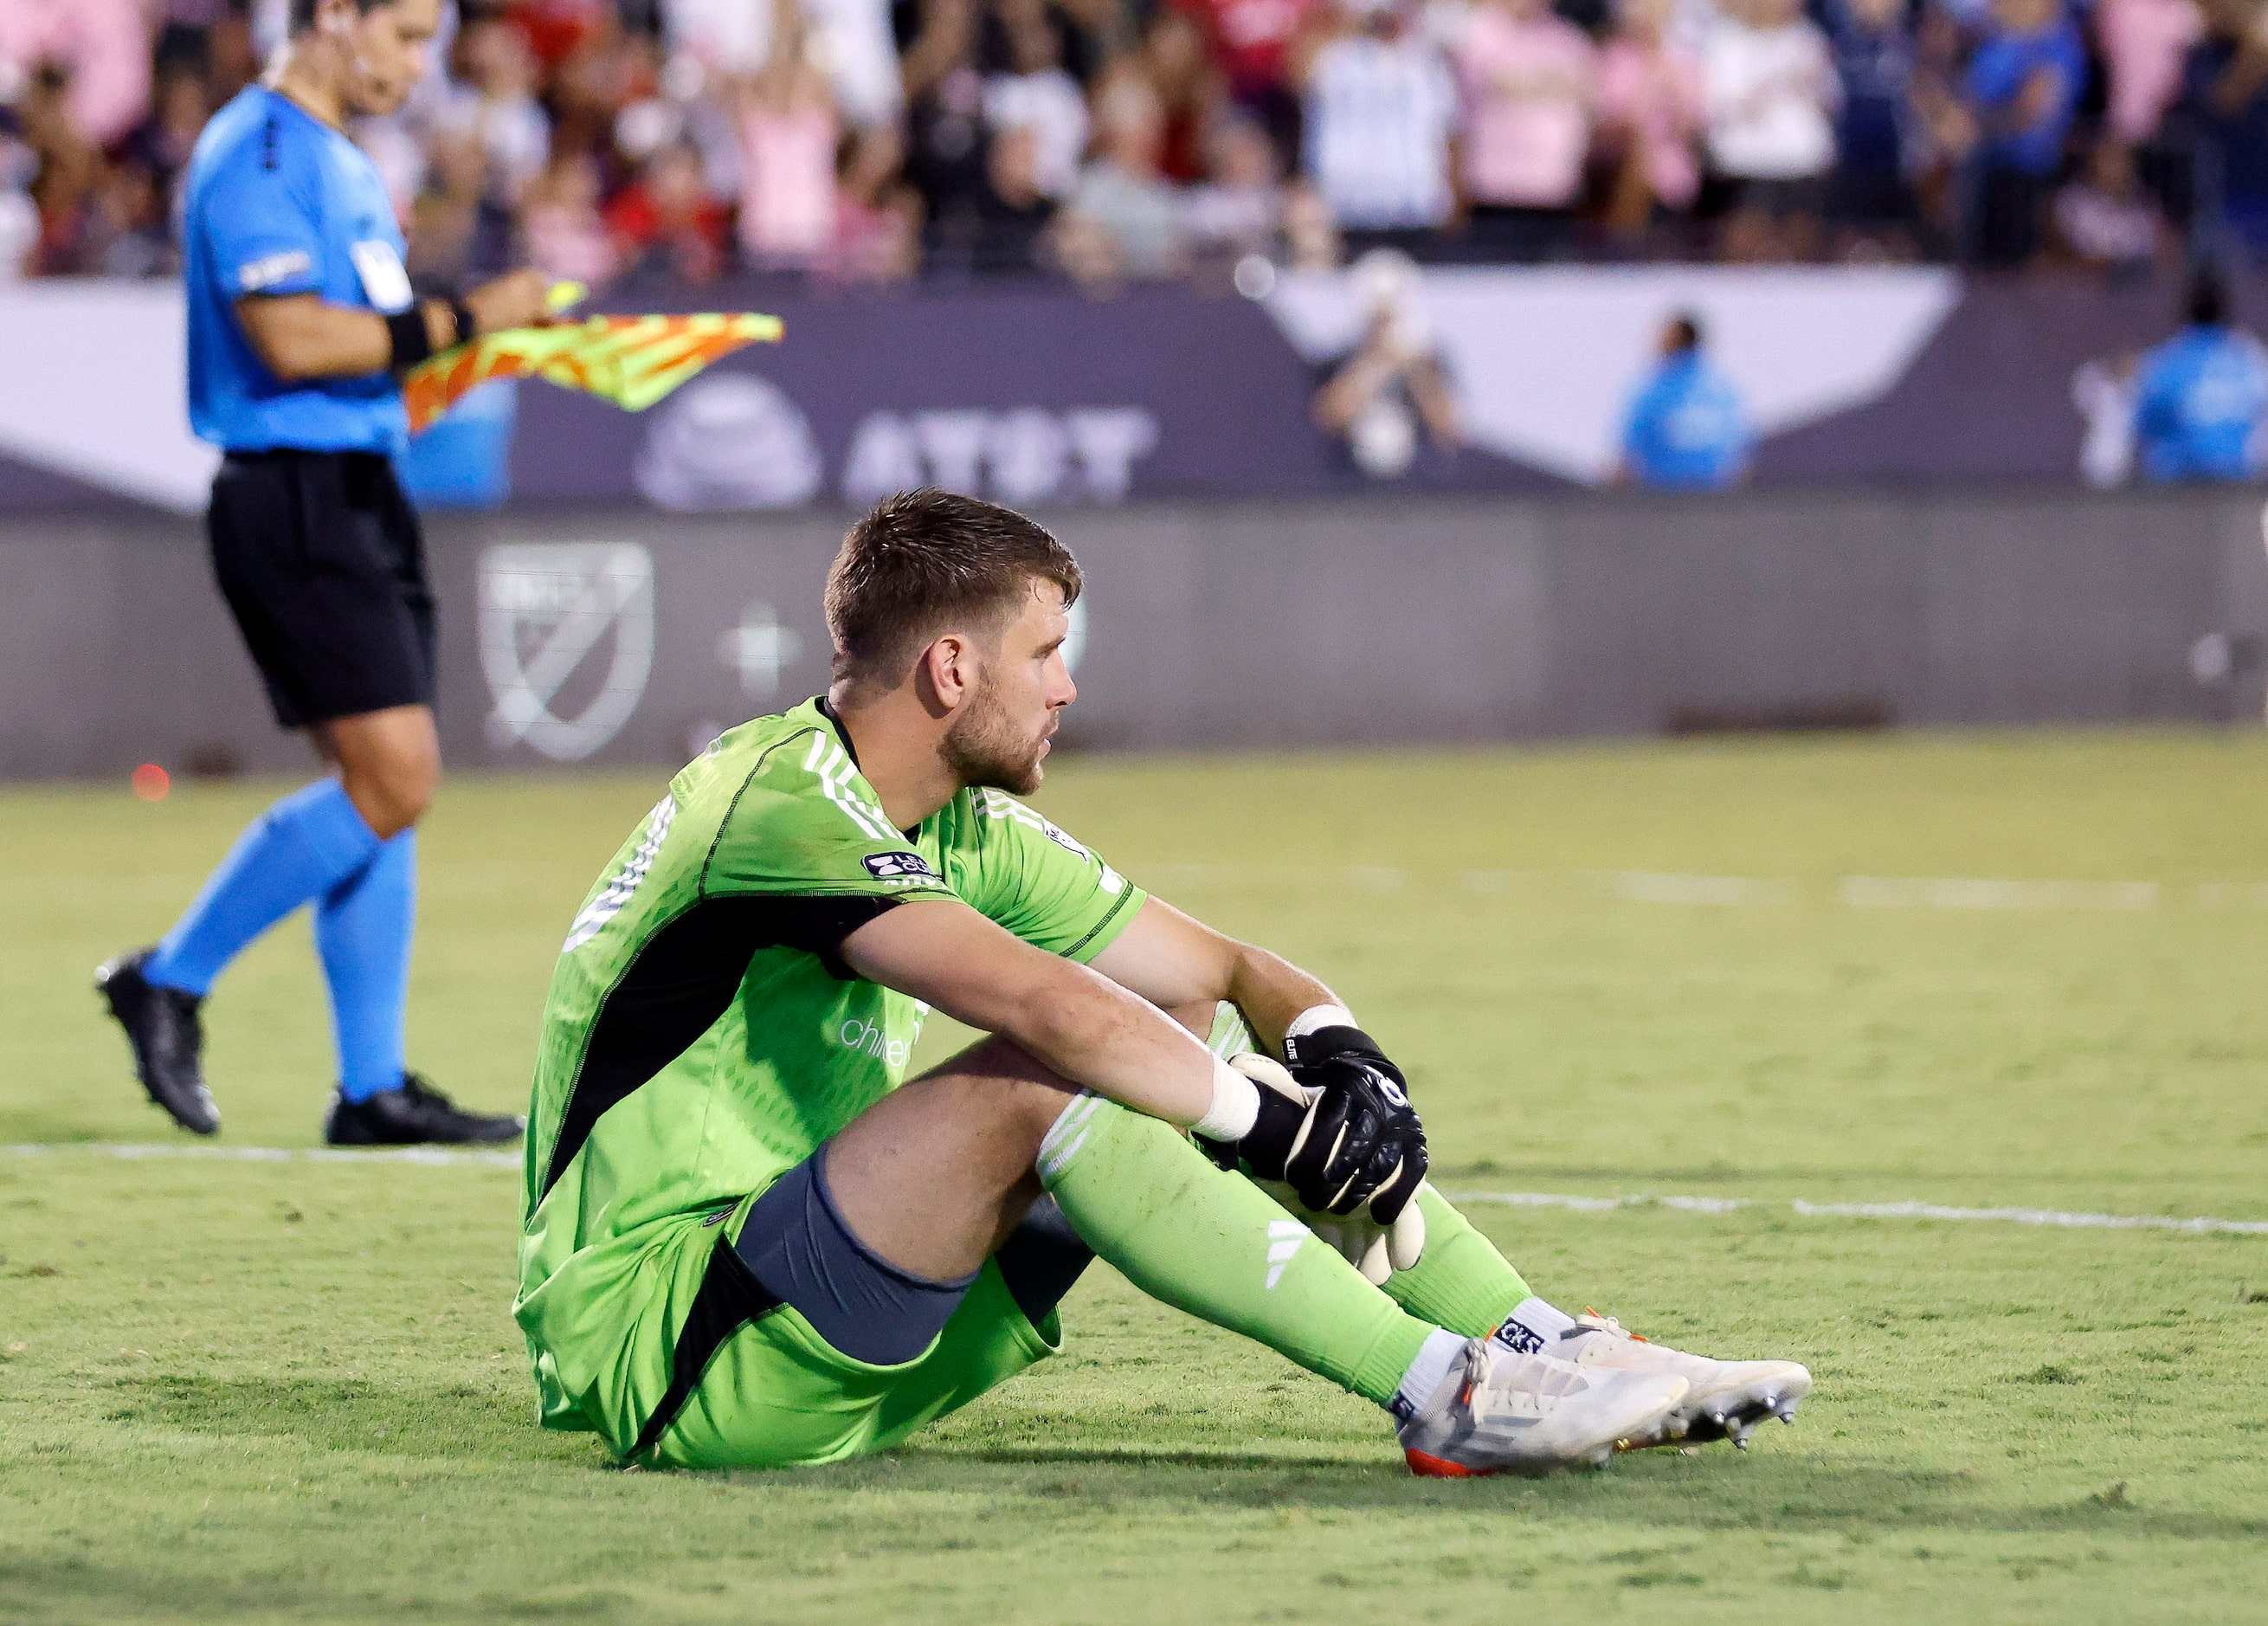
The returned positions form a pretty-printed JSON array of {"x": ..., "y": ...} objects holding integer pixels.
[
  {"x": 1887, "y": 892},
  {"x": 1646, "y": 886},
  {"x": 1873, "y": 1210},
  {"x": 432, "y": 1156}
]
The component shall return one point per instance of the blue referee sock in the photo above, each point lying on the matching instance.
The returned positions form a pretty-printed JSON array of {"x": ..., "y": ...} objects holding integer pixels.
[
  {"x": 299, "y": 850},
  {"x": 362, "y": 932}
]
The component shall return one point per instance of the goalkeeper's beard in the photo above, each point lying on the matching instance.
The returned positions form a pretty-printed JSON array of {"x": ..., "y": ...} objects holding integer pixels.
[{"x": 982, "y": 746}]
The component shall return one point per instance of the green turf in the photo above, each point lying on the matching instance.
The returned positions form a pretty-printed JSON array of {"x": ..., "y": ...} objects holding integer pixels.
[{"x": 254, "y": 1391}]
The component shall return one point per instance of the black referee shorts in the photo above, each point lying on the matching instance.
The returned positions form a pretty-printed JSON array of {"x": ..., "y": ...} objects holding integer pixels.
[{"x": 322, "y": 564}]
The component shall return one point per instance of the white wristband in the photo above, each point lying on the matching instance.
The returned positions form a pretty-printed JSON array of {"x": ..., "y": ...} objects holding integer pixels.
[
  {"x": 1320, "y": 1017},
  {"x": 1236, "y": 1106}
]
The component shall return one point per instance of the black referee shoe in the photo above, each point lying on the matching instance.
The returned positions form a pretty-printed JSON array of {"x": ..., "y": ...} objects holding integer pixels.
[
  {"x": 169, "y": 1040},
  {"x": 415, "y": 1114}
]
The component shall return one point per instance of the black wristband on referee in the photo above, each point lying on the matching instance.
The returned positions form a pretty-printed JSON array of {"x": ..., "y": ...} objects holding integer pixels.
[
  {"x": 412, "y": 343},
  {"x": 468, "y": 327}
]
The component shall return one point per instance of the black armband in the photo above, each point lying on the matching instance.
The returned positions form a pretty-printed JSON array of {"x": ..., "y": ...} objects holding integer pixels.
[
  {"x": 411, "y": 341},
  {"x": 468, "y": 327}
]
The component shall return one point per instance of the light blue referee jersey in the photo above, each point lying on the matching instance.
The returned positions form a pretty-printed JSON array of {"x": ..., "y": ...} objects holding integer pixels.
[{"x": 279, "y": 203}]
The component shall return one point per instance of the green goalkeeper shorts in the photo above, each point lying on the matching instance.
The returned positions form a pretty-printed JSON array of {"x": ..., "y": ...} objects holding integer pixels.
[
  {"x": 776, "y": 1395},
  {"x": 711, "y": 1372}
]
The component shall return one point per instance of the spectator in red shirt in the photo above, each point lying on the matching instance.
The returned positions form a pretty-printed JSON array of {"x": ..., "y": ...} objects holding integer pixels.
[
  {"x": 1252, "y": 42},
  {"x": 1180, "y": 71},
  {"x": 664, "y": 223},
  {"x": 556, "y": 29}
]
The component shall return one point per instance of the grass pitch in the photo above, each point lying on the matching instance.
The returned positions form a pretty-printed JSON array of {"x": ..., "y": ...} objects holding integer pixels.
[{"x": 252, "y": 1391}]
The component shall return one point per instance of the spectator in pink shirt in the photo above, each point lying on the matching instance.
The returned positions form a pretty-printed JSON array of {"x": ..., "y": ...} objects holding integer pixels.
[
  {"x": 102, "y": 44},
  {"x": 877, "y": 215},
  {"x": 565, "y": 236},
  {"x": 1530, "y": 80},
  {"x": 788, "y": 132},
  {"x": 2145, "y": 43},
  {"x": 1652, "y": 113}
]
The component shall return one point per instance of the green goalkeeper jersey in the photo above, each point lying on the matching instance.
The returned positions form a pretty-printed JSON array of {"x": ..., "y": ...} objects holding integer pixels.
[{"x": 702, "y": 1034}]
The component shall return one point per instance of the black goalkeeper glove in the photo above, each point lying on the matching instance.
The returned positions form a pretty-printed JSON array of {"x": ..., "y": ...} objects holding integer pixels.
[
  {"x": 1349, "y": 1137},
  {"x": 1346, "y": 1063},
  {"x": 1323, "y": 1045}
]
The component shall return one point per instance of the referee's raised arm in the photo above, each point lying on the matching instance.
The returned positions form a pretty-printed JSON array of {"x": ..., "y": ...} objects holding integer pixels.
[{"x": 301, "y": 319}]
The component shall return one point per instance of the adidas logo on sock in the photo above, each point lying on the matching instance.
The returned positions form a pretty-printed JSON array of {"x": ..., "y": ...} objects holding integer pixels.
[{"x": 1284, "y": 1239}]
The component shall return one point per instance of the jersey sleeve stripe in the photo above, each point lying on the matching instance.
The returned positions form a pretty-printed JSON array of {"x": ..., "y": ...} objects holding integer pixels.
[
  {"x": 865, "y": 812},
  {"x": 823, "y": 761},
  {"x": 999, "y": 805},
  {"x": 869, "y": 822}
]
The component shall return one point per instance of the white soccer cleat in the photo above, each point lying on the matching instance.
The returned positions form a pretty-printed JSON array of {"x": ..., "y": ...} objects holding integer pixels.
[
  {"x": 1502, "y": 1412},
  {"x": 1724, "y": 1400}
]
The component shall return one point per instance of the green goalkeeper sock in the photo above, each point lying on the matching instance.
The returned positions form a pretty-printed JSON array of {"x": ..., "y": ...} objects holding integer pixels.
[
  {"x": 1217, "y": 1247},
  {"x": 1462, "y": 1282}
]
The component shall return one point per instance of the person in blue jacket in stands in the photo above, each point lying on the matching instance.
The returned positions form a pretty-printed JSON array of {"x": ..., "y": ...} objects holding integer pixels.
[
  {"x": 2201, "y": 398},
  {"x": 1686, "y": 431}
]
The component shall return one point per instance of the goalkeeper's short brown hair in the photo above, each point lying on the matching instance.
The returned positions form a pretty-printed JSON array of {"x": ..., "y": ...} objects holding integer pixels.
[{"x": 929, "y": 562}]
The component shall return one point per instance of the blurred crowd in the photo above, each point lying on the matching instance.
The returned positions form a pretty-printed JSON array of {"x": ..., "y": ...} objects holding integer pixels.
[{"x": 1118, "y": 141}]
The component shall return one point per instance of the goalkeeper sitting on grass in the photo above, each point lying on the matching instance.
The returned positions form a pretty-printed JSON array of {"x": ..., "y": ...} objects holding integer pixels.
[{"x": 748, "y": 1242}]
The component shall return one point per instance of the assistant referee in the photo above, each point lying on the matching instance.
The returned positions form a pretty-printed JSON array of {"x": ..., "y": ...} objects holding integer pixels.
[{"x": 301, "y": 321}]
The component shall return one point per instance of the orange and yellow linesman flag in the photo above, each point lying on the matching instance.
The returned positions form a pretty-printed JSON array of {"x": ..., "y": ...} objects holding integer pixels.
[{"x": 632, "y": 361}]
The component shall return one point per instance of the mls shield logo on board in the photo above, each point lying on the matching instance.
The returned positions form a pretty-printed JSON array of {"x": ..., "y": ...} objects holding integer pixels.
[{"x": 546, "y": 610}]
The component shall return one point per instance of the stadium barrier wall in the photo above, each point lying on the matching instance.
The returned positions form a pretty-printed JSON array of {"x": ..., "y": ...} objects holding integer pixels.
[{"x": 628, "y": 637}]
